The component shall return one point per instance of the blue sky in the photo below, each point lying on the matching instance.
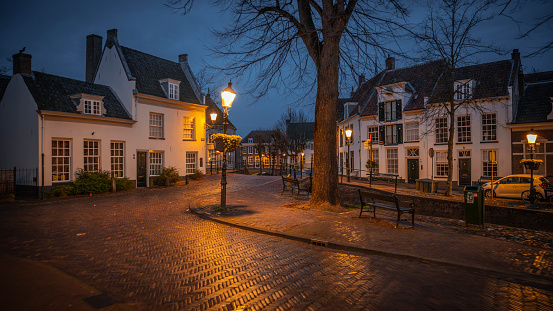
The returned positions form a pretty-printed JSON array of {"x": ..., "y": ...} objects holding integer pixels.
[{"x": 54, "y": 33}]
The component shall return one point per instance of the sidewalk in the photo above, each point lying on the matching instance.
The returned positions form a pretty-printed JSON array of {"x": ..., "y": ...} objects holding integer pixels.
[{"x": 439, "y": 241}]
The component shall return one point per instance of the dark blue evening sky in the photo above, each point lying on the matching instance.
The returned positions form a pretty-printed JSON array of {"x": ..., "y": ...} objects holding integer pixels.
[{"x": 54, "y": 33}]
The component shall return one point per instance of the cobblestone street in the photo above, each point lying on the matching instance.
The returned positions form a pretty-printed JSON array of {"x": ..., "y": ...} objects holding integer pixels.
[{"x": 148, "y": 251}]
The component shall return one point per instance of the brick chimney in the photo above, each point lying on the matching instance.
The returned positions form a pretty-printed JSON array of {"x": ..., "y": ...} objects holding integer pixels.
[
  {"x": 361, "y": 79},
  {"x": 515, "y": 55},
  {"x": 390, "y": 63},
  {"x": 183, "y": 58},
  {"x": 112, "y": 38},
  {"x": 93, "y": 55},
  {"x": 22, "y": 63}
]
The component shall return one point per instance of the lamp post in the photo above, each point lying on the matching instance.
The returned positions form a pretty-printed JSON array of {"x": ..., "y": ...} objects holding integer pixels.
[
  {"x": 213, "y": 116},
  {"x": 348, "y": 142},
  {"x": 301, "y": 166},
  {"x": 532, "y": 141},
  {"x": 227, "y": 95}
]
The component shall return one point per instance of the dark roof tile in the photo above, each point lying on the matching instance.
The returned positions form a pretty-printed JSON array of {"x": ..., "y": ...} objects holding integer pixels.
[
  {"x": 535, "y": 103},
  {"x": 4, "y": 80}
]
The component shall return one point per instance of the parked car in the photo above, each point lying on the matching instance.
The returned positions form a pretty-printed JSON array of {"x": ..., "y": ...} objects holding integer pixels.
[{"x": 513, "y": 186}]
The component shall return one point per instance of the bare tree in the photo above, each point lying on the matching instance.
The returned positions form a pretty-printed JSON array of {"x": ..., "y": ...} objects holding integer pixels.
[
  {"x": 260, "y": 146},
  {"x": 301, "y": 44},
  {"x": 448, "y": 34}
]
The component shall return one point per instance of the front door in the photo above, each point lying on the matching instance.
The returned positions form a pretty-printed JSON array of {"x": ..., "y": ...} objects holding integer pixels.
[
  {"x": 412, "y": 170},
  {"x": 141, "y": 169},
  {"x": 464, "y": 172}
]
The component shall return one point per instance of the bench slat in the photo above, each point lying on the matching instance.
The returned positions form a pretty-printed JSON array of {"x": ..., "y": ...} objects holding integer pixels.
[{"x": 372, "y": 204}]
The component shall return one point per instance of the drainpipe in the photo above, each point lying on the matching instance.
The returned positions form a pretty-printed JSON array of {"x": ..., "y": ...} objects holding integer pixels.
[
  {"x": 359, "y": 142},
  {"x": 42, "y": 156}
]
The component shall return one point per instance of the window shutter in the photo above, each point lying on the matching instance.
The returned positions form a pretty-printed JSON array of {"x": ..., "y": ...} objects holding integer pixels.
[
  {"x": 400, "y": 133},
  {"x": 399, "y": 110},
  {"x": 381, "y": 134},
  {"x": 381, "y": 116}
]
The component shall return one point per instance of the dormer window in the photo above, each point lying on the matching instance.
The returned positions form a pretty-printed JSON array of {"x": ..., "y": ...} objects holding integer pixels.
[
  {"x": 171, "y": 88},
  {"x": 89, "y": 104},
  {"x": 463, "y": 89},
  {"x": 250, "y": 140},
  {"x": 348, "y": 108}
]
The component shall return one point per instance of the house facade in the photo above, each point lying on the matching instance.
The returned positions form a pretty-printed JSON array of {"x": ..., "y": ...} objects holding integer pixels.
[
  {"x": 397, "y": 122},
  {"x": 135, "y": 114}
]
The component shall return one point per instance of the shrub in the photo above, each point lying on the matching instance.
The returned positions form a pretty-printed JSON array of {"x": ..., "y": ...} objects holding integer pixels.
[
  {"x": 197, "y": 175},
  {"x": 167, "y": 173},
  {"x": 61, "y": 191},
  {"x": 92, "y": 182},
  {"x": 124, "y": 184}
]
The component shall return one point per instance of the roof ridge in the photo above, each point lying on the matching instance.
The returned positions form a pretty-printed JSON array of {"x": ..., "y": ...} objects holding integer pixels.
[
  {"x": 66, "y": 78},
  {"x": 414, "y": 65},
  {"x": 164, "y": 59}
]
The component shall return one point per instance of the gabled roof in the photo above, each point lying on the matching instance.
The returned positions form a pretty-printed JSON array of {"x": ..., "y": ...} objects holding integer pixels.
[
  {"x": 52, "y": 93},
  {"x": 301, "y": 130},
  {"x": 535, "y": 103},
  {"x": 255, "y": 135},
  {"x": 429, "y": 80},
  {"x": 148, "y": 70},
  {"x": 4, "y": 80},
  {"x": 212, "y": 107}
]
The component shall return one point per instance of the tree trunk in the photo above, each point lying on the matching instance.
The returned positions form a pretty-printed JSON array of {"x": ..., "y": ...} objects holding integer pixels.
[
  {"x": 325, "y": 172},
  {"x": 451, "y": 132}
]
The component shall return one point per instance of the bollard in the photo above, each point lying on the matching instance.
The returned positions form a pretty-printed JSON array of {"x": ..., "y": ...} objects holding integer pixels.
[{"x": 113, "y": 185}]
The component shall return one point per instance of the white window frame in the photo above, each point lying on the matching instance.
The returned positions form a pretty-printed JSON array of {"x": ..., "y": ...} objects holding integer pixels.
[
  {"x": 191, "y": 162},
  {"x": 412, "y": 152},
  {"x": 250, "y": 160},
  {"x": 117, "y": 152},
  {"x": 392, "y": 161},
  {"x": 390, "y": 113},
  {"x": 412, "y": 131},
  {"x": 441, "y": 130},
  {"x": 91, "y": 155},
  {"x": 250, "y": 140},
  {"x": 156, "y": 125},
  {"x": 372, "y": 133},
  {"x": 156, "y": 163},
  {"x": 92, "y": 107},
  {"x": 61, "y": 159},
  {"x": 464, "y": 133},
  {"x": 250, "y": 149},
  {"x": 188, "y": 128},
  {"x": 266, "y": 161},
  {"x": 441, "y": 163},
  {"x": 173, "y": 90},
  {"x": 487, "y": 167},
  {"x": 391, "y": 134},
  {"x": 489, "y": 126},
  {"x": 463, "y": 90}
]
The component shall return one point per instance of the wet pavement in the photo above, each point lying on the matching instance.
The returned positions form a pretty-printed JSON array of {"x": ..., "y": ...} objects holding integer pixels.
[{"x": 145, "y": 249}]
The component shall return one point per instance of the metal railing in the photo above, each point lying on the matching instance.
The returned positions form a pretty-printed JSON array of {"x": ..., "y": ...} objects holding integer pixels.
[{"x": 20, "y": 182}]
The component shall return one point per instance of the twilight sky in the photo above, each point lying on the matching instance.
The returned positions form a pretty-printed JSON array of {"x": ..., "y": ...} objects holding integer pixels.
[{"x": 54, "y": 33}]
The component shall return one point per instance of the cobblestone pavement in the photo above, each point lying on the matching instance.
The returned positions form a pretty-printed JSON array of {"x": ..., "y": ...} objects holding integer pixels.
[{"x": 147, "y": 250}]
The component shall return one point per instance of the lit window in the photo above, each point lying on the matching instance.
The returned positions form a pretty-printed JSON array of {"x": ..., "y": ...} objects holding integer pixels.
[
  {"x": 250, "y": 160},
  {"x": 173, "y": 91},
  {"x": 372, "y": 134},
  {"x": 441, "y": 164},
  {"x": 412, "y": 131},
  {"x": 117, "y": 159},
  {"x": 156, "y": 125},
  {"x": 92, "y": 107},
  {"x": 489, "y": 167},
  {"x": 463, "y": 129},
  {"x": 91, "y": 156},
  {"x": 190, "y": 162},
  {"x": 441, "y": 130},
  {"x": 489, "y": 127},
  {"x": 188, "y": 128},
  {"x": 374, "y": 159},
  {"x": 392, "y": 161},
  {"x": 266, "y": 161},
  {"x": 61, "y": 159},
  {"x": 156, "y": 163}
]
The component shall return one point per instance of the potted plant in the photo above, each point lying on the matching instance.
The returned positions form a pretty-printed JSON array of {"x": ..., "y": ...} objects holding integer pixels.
[{"x": 531, "y": 164}]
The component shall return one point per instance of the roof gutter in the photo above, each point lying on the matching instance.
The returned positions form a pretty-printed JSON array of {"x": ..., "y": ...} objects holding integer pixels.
[{"x": 70, "y": 115}]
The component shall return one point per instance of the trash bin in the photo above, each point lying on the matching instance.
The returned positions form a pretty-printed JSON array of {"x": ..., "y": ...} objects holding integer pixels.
[{"x": 474, "y": 205}]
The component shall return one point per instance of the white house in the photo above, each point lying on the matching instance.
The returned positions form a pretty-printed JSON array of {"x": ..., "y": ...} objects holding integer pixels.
[{"x": 394, "y": 115}]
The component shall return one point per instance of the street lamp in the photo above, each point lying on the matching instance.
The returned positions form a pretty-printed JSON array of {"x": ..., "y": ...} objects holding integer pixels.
[
  {"x": 227, "y": 95},
  {"x": 532, "y": 141},
  {"x": 348, "y": 142},
  {"x": 301, "y": 166}
]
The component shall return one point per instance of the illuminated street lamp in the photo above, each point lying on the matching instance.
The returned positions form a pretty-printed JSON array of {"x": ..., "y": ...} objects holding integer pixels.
[
  {"x": 227, "y": 95},
  {"x": 301, "y": 166},
  {"x": 348, "y": 142},
  {"x": 532, "y": 142}
]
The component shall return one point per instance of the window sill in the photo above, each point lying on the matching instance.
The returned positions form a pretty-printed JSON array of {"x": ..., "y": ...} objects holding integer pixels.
[
  {"x": 438, "y": 144},
  {"x": 464, "y": 143},
  {"x": 157, "y": 138},
  {"x": 411, "y": 141},
  {"x": 489, "y": 142},
  {"x": 189, "y": 140}
]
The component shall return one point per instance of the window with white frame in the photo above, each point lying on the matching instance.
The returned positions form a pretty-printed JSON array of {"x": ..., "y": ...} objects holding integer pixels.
[
  {"x": 463, "y": 90},
  {"x": 489, "y": 168},
  {"x": 244, "y": 150},
  {"x": 463, "y": 129},
  {"x": 250, "y": 160},
  {"x": 92, "y": 107},
  {"x": 412, "y": 131},
  {"x": 117, "y": 159},
  {"x": 188, "y": 128},
  {"x": 156, "y": 125},
  {"x": 191, "y": 162},
  {"x": 230, "y": 158},
  {"x": 61, "y": 159},
  {"x": 266, "y": 161},
  {"x": 489, "y": 127},
  {"x": 374, "y": 159},
  {"x": 256, "y": 161},
  {"x": 392, "y": 161},
  {"x": 173, "y": 91},
  {"x": 390, "y": 111},
  {"x": 464, "y": 153},
  {"x": 391, "y": 134},
  {"x": 156, "y": 163},
  {"x": 441, "y": 130},
  {"x": 250, "y": 140},
  {"x": 91, "y": 151},
  {"x": 250, "y": 150},
  {"x": 441, "y": 164},
  {"x": 372, "y": 134}
]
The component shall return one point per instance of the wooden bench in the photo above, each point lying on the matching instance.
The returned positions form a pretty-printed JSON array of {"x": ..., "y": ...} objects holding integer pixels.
[
  {"x": 371, "y": 200},
  {"x": 299, "y": 184}
]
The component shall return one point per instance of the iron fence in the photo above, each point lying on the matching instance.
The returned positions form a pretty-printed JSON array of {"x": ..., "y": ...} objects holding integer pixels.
[{"x": 21, "y": 182}]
